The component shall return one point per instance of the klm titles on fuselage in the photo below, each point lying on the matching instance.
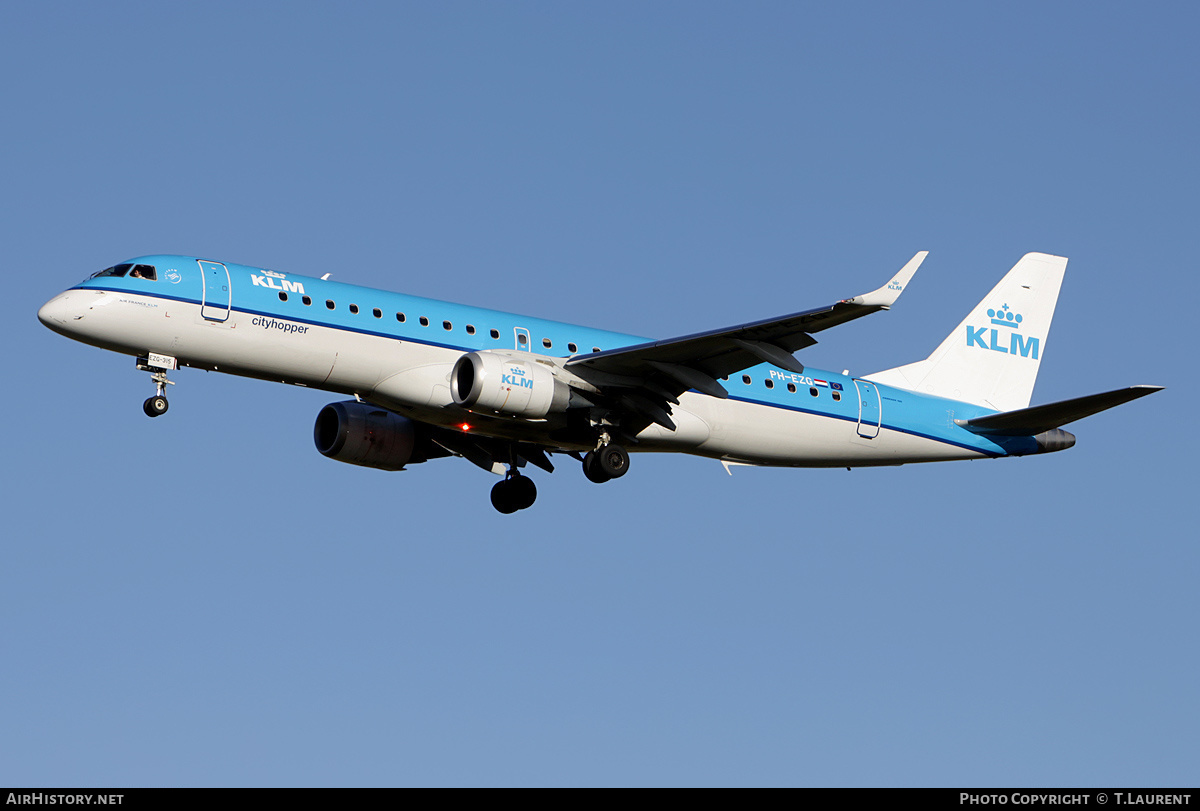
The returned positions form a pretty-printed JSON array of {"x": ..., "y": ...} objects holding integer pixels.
[
  {"x": 987, "y": 338},
  {"x": 274, "y": 280}
]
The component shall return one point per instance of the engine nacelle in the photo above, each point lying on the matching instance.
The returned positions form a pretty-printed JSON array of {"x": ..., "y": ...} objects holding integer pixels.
[
  {"x": 362, "y": 434},
  {"x": 507, "y": 385}
]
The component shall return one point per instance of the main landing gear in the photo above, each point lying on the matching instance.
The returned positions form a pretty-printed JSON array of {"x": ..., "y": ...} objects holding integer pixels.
[
  {"x": 607, "y": 462},
  {"x": 516, "y": 492},
  {"x": 157, "y": 365}
]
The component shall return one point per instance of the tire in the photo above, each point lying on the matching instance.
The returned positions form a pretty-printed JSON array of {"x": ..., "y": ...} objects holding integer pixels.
[
  {"x": 523, "y": 490},
  {"x": 155, "y": 406},
  {"x": 503, "y": 498},
  {"x": 614, "y": 461},
  {"x": 591, "y": 469}
]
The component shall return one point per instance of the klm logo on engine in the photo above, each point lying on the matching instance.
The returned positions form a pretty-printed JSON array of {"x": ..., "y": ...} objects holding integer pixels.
[
  {"x": 1003, "y": 336},
  {"x": 276, "y": 281},
  {"x": 516, "y": 378}
]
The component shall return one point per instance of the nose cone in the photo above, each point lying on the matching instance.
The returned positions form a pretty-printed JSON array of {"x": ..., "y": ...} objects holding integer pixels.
[{"x": 55, "y": 313}]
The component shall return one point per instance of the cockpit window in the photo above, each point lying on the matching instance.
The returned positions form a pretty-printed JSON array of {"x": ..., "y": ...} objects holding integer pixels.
[
  {"x": 144, "y": 272},
  {"x": 115, "y": 270}
]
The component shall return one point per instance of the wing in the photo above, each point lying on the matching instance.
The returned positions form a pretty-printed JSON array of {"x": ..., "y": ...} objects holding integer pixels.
[{"x": 648, "y": 378}]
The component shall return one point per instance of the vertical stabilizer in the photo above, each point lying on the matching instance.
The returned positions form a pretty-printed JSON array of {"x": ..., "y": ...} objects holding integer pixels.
[{"x": 992, "y": 358}]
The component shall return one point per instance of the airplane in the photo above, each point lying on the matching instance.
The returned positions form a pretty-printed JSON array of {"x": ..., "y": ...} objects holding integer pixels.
[{"x": 435, "y": 379}]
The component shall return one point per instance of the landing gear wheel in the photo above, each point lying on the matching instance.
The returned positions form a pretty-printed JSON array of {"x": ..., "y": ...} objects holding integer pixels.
[
  {"x": 155, "y": 406},
  {"x": 524, "y": 491},
  {"x": 502, "y": 498},
  {"x": 512, "y": 494},
  {"x": 591, "y": 468},
  {"x": 613, "y": 460}
]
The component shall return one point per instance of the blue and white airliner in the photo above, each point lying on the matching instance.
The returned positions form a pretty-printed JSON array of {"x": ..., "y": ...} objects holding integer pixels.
[{"x": 431, "y": 379}]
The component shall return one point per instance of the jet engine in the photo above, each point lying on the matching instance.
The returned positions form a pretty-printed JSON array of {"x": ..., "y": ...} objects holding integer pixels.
[
  {"x": 507, "y": 385},
  {"x": 362, "y": 434}
]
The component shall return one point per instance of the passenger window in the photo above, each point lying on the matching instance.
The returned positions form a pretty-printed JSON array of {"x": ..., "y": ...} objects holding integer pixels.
[
  {"x": 495, "y": 334},
  {"x": 546, "y": 343},
  {"x": 378, "y": 313},
  {"x": 329, "y": 304},
  {"x": 522, "y": 338},
  {"x": 746, "y": 379},
  {"x": 354, "y": 309},
  {"x": 770, "y": 383},
  {"x": 424, "y": 321},
  {"x": 792, "y": 388},
  {"x": 283, "y": 296},
  {"x": 470, "y": 329},
  {"x": 446, "y": 325},
  {"x": 572, "y": 348},
  {"x": 595, "y": 349},
  {"x": 813, "y": 391},
  {"x": 837, "y": 395},
  {"x": 307, "y": 300},
  {"x": 400, "y": 317}
]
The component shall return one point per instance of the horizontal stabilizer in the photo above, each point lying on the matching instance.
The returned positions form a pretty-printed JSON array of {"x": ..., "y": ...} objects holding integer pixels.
[{"x": 1035, "y": 420}]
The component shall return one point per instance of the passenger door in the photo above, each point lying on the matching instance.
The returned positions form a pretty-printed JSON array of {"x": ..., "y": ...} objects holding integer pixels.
[
  {"x": 217, "y": 296},
  {"x": 870, "y": 409}
]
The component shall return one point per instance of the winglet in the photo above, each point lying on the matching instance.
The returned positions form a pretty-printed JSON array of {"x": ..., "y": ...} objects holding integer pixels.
[{"x": 886, "y": 296}]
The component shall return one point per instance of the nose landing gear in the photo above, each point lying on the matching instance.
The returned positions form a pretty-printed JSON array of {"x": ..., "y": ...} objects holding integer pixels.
[{"x": 157, "y": 365}]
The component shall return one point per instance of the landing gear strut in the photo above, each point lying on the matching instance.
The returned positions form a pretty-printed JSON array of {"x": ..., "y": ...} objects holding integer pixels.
[
  {"x": 157, "y": 365},
  {"x": 516, "y": 492}
]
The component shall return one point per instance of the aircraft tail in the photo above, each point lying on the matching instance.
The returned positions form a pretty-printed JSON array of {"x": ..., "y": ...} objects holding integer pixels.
[{"x": 992, "y": 358}]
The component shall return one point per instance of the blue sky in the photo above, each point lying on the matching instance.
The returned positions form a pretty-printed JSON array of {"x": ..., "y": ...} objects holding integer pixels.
[{"x": 203, "y": 599}]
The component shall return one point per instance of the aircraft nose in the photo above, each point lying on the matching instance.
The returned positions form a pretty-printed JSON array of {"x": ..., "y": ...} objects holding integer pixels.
[{"x": 55, "y": 312}]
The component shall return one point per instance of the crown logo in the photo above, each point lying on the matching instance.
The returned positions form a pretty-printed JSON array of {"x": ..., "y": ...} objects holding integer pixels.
[
  {"x": 1005, "y": 317},
  {"x": 273, "y": 274}
]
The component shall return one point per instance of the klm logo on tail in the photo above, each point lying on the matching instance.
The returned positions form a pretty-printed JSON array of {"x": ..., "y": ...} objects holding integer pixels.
[{"x": 992, "y": 339}]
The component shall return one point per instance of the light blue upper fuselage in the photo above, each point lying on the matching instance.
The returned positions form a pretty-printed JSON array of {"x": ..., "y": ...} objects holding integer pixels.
[{"x": 305, "y": 300}]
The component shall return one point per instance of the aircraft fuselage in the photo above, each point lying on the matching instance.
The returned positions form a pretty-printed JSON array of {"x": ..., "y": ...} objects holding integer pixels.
[{"x": 398, "y": 351}]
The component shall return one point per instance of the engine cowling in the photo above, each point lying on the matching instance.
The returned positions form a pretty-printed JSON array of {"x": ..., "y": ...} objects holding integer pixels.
[
  {"x": 507, "y": 385},
  {"x": 361, "y": 434}
]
